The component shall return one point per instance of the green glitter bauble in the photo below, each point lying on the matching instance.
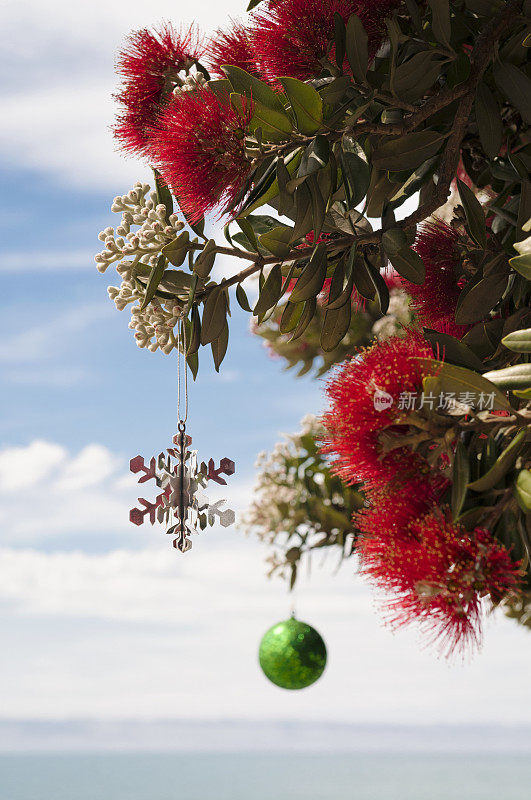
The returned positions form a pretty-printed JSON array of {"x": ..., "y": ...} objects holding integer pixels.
[{"x": 292, "y": 654}]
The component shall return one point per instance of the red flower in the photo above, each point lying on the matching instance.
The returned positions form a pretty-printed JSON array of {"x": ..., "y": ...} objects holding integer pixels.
[
  {"x": 232, "y": 47},
  {"x": 148, "y": 63},
  {"x": 292, "y": 36},
  {"x": 436, "y": 569},
  {"x": 199, "y": 148},
  {"x": 364, "y": 395},
  {"x": 436, "y": 300}
]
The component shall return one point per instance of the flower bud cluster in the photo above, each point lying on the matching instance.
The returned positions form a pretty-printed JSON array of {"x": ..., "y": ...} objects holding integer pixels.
[
  {"x": 154, "y": 231},
  {"x": 135, "y": 253},
  {"x": 190, "y": 83}
]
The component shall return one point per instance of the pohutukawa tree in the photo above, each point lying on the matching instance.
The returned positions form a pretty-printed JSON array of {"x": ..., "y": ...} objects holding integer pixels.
[{"x": 369, "y": 160}]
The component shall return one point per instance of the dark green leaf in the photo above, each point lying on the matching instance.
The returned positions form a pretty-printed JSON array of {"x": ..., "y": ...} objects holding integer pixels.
[
  {"x": 303, "y": 213},
  {"x": 357, "y": 48},
  {"x": 277, "y": 240},
  {"x": 291, "y": 316},
  {"x": 177, "y": 250},
  {"x": 306, "y": 103},
  {"x": 270, "y": 292},
  {"x": 335, "y": 326},
  {"x": 393, "y": 240},
  {"x": 241, "y": 297},
  {"x": 193, "y": 362},
  {"x": 475, "y": 216},
  {"x": 409, "y": 265},
  {"x": 460, "y": 478},
  {"x": 489, "y": 121},
  {"x": 153, "y": 282},
  {"x": 219, "y": 346},
  {"x": 452, "y": 350},
  {"x": 205, "y": 260},
  {"x": 194, "y": 339},
  {"x": 476, "y": 303},
  {"x": 340, "y": 39},
  {"x": 501, "y": 466},
  {"x": 357, "y": 173},
  {"x": 312, "y": 277},
  {"x": 315, "y": 156},
  {"x": 380, "y": 285},
  {"x": 413, "y": 78},
  {"x": 214, "y": 315},
  {"x": 164, "y": 196},
  {"x": 515, "y": 85},
  {"x": 407, "y": 152},
  {"x": 306, "y": 317},
  {"x": 441, "y": 25}
]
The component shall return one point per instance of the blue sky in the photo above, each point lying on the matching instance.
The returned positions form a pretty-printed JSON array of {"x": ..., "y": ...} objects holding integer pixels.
[{"x": 101, "y": 619}]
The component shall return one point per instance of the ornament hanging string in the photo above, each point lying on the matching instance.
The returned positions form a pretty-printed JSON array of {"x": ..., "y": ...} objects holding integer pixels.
[{"x": 181, "y": 353}]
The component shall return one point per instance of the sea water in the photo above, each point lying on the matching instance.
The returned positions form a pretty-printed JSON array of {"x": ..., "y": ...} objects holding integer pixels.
[{"x": 293, "y": 776}]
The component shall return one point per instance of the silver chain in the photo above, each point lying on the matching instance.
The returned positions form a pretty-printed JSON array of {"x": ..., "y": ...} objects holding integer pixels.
[{"x": 181, "y": 353}]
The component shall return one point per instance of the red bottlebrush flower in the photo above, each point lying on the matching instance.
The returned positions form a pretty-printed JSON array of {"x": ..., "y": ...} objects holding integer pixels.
[
  {"x": 436, "y": 299},
  {"x": 364, "y": 399},
  {"x": 147, "y": 65},
  {"x": 291, "y": 37},
  {"x": 438, "y": 572},
  {"x": 199, "y": 148},
  {"x": 232, "y": 46}
]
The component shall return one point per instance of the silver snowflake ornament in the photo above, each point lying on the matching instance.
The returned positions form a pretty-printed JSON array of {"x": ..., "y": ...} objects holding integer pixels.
[{"x": 181, "y": 504}]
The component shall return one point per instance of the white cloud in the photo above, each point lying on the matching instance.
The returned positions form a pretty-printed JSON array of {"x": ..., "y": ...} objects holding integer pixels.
[{"x": 22, "y": 468}]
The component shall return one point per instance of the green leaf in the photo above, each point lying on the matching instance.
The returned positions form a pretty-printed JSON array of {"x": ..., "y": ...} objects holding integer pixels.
[
  {"x": 460, "y": 478},
  {"x": 154, "y": 279},
  {"x": 335, "y": 326},
  {"x": 164, "y": 196},
  {"x": 523, "y": 490},
  {"x": 474, "y": 214},
  {"x": 306, "y": 103},
  {"x": 194, "y": 339},
  {"x": 413, "y": 78},
  {"x": 306, "y": 317},
  {"x": 407, "y": 152},
  {"x": 205, "y": 260},
  {"x": 267, "y": 192},
  {"x": 522, "y": 265},
  {"x": 357, "y": 48},
  {"x": 312, "y": 277},
  {"x": 340, "y": 39},
  {"x": 271, "y": 291},
  {"x": 303, "y": 213},
  {"x": 291, "y": 316},
  {"x": 452, "y": 379},
  {"x": 241, "y": 297},
  {"x": 515, "y": 85},
  {"x": 440, "y": 23},
  {"x": 516, "y": 377},
  {"x": 253, "y": 4},
  {"x": 501, "y": 466},
  {"x": 315, "y": 157},
  {"x": 452, "y": 350},
  {"x": 357, "y": 173},
  {"x": 489, "y": 121},
  {"x": 193, "y": 363},
  {"x": 518, "y": 341},
  {"x": 409, "y": 265},
  {"x": 214, "y": 315},
  {"x": 274, "y": 126},
  {"x": 177, "y": 250},
  {"x": 253, "y": 88},
  {"x": 219, "y": 346},
  {"x": 379, "y": 284},
  {"x": 476, "y": 303},
  {"x": 277, "y": 240}
]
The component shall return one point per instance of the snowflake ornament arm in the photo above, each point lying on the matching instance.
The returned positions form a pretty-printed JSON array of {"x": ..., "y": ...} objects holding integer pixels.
[{"x": 181, "y": 503}]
